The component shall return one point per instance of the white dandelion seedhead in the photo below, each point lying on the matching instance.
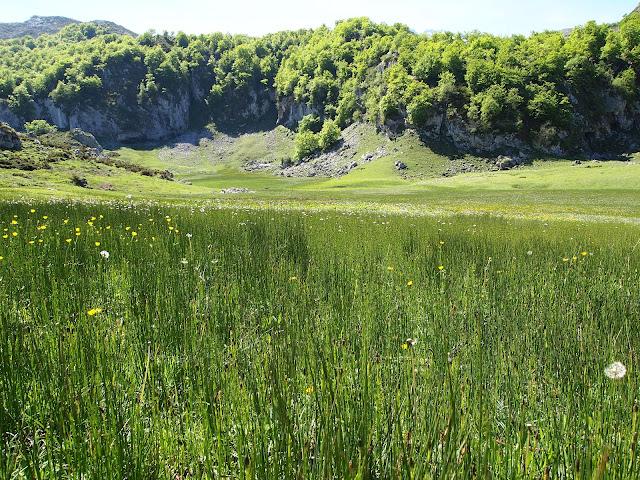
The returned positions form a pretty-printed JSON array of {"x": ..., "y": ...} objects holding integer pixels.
[
  {"x": 615, "y": 371},
  {"x": 104, "y": 254},
  {"x": 188, "y": 235}
]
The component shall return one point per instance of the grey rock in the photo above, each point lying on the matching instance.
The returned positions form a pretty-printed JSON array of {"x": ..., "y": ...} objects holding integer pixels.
[
  {"x": 85, "y": 138},
  {"x": 507, "y": 163},
  {"x": 9, "y": 139},
  {"x": 400, "y": 165},
  {"x": 235, "y": 190}
]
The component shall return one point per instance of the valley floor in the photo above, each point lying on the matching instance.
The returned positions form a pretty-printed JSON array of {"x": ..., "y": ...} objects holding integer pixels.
[
  {"x": 247, "y": 171},
  {"x": 377, "y": 324}
]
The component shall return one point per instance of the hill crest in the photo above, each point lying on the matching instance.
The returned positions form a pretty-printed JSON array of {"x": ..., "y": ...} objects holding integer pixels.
[{"x": 41, "y": 25}]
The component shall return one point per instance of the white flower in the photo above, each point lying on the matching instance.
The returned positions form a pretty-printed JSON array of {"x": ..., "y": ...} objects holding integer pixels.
[
  {"x": 189, "y": 235},
  {"x": 529, "y": 253},
  {"x": 411, "y": 342},
  {"x": 615, "y": 371},
  {"x": 184, "y": 261},
  {"x": 129, "y": 197},
  {"x": 104, "y": 254}
]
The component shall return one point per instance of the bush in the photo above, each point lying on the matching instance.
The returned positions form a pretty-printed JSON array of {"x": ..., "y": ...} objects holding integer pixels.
[
  {"x": 39, "y": 127},
  {"x": 329, "y": 135},
  {"x": 307, "y": 143},
  {"x": 79, "y": 181}
]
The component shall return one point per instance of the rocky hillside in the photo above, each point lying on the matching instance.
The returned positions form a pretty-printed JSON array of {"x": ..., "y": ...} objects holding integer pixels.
[
  {"x": 36, "y": 26},
  {"x": 548, "y": 93}
]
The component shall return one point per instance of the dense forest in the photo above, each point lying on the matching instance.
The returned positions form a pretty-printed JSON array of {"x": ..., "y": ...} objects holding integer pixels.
[{"x": 550, "y": 91}]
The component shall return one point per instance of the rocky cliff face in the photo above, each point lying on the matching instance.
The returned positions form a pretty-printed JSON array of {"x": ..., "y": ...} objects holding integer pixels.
[{"x": 291, "y": 112}]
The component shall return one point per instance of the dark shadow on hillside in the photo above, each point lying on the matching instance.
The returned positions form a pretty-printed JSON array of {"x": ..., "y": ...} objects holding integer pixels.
[
  {"x": 442, "y": 147},
  {"x": 196, "y": 134},
  {"x": 448, "y": 149}
]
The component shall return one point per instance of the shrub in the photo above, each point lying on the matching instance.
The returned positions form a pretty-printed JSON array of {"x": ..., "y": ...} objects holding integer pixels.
[
  {"x": 329, "y": 135},
  {"x": 39, "y": 127},
  {"x": 307, "y": 144}
]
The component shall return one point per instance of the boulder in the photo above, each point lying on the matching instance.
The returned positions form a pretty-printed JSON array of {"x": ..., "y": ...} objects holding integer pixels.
[
  {"x": 85, "y": 138},
  {"x": 9, "y": 139},
  {"x": 400, "y": 165},
  {"x": 504, "y": 162}
]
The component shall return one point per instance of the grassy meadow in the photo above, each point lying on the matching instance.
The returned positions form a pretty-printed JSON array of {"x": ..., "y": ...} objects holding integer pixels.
[{"x": 244, "y": 343}]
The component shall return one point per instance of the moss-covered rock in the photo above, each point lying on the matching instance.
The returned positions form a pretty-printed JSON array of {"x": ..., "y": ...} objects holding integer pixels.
[{"x": 9, "y": 139}]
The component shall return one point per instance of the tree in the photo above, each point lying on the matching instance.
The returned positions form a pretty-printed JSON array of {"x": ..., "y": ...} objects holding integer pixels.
[
  {"x": 21, "y": 102},
  {"x": 497, "y": 108},
  {"x": 548, "y": 105},
  {"x": 310, "y": 123},
  {"x": 420, "y": 109},
  {"x": 625, "y": 83}
]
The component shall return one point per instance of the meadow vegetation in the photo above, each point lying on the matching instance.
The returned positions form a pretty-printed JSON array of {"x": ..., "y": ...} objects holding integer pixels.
[{"x": 148, "y": 341}]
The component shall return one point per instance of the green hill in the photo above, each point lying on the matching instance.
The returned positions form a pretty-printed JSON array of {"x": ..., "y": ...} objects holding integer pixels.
[{"x": 480, "y": 93}]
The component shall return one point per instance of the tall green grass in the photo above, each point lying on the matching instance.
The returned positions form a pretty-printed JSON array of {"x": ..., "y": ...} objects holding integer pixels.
[{"x": 232, "y": 344}]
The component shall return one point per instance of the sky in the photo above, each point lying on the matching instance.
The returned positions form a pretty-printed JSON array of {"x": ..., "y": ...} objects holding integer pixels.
[{"x": 255, "y": 17}]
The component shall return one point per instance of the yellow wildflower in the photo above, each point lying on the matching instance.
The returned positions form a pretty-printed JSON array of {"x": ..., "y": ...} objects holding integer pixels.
[
  {"x": 94, "y": 311},
  {"x": 309, "y": 390},
  {"x": 410, "y": 283},
  {"x": 97, "y": 244}
]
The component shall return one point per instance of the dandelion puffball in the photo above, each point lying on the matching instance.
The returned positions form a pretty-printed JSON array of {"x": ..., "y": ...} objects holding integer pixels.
[
  {"x": 104, "y": 254},
  {"x": 615, "y": 371}
]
